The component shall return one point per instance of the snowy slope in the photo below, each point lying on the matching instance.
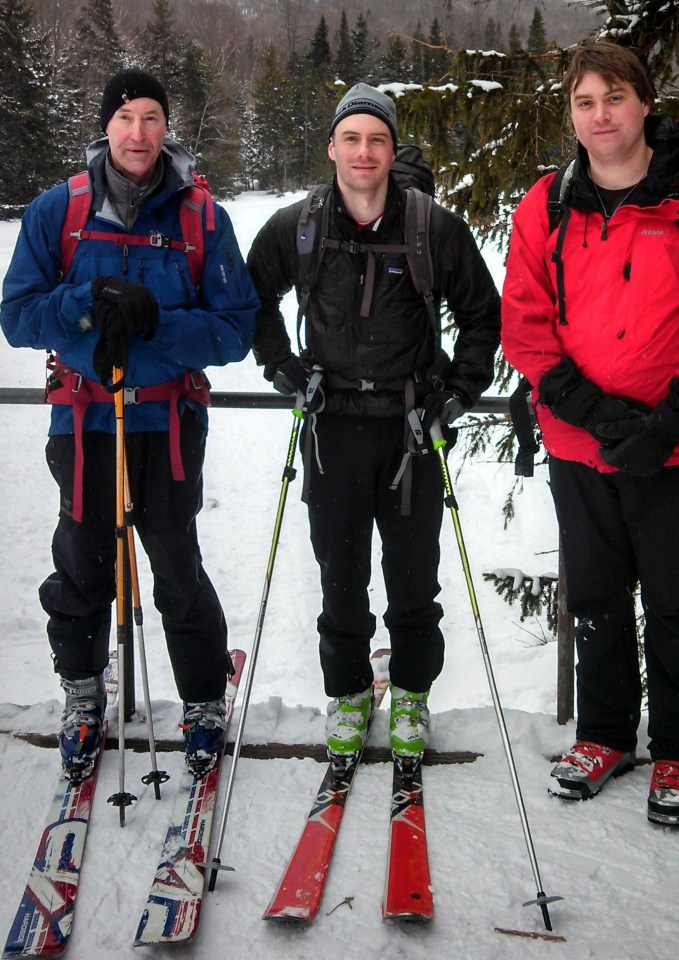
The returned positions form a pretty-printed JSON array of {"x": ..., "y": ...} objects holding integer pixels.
[{"x": 617, "y": 874}]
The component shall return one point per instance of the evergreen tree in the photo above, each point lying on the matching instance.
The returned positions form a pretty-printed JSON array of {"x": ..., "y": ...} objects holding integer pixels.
[
  {"x": 651, "y": 29},
  {"x": 537, "y": 38},
  {"x": 418, "y": 55},
  {"x": 273, "y": 134},
  {"x": 492, "y": 37},
  {"x": 363, "y": 50},
  {"x": 26, "y": 130},
  {"x": 92, "y": 57},
  {"x": 162, "y": 47},
  {"x": 435, "y": 58},
  {"x": 395, "y": 64},
  {"x": 208, "y": 123},
  {"x": 344, "y": 58},
  {"x": 515, "y": 42},
  {"x": 319, "y": 47}
]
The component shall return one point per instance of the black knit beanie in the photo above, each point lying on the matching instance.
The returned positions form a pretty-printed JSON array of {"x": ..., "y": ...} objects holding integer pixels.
[
  {"x": 130, "y": 85},
  {"x": 362, "y": 98}
]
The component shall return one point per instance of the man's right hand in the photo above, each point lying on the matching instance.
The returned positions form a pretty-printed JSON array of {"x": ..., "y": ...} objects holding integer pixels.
[{"x": 291, "y": 377}]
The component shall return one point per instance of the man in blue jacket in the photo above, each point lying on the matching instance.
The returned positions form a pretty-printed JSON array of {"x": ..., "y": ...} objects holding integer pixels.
[{"x": 132, "y": 297}]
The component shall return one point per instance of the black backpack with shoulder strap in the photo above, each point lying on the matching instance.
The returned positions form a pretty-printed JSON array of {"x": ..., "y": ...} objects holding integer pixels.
[{"x": 412, "y": 173}]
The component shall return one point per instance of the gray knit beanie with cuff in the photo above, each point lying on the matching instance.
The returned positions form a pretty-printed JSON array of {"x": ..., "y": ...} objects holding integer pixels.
[{"x": 362, "y": 98}]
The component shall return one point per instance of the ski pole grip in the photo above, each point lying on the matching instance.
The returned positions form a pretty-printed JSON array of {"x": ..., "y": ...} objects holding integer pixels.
[
  {"x": 436, "y": 435},
  {"x": 298, "y": 409}
]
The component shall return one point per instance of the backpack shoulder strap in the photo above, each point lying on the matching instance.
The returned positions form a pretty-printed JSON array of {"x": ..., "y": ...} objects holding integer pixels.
[
  {"x": 417, "y": 224},
  {"x": 196, "y": 198},
  {"x": 77, "y": 212},
  {"x": 558, "y": 190},
  {"x": 312, "y": 230},
  {"x": 559, "y": 215}
]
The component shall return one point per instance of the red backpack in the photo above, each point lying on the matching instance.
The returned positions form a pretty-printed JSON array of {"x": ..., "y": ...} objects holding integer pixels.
[{"x": 190, "y": 216}]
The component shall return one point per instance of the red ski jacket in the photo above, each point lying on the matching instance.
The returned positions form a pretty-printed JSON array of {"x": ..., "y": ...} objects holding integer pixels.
[{"x": 621, "y": 292}]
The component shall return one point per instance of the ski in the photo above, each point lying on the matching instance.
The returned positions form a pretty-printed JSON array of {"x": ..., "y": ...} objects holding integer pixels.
[
  {"x": 407, "y": 891},
  {"x": 172, "y": 910},
  {"x": 300, "y": 891},
  {"x": 43, "y": 922}
]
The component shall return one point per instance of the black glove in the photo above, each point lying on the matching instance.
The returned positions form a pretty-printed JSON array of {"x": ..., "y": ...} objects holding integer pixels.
[
  {"x": 137, "y": 306},
  {"x": 291, "y": 377},
  {"x": 581, "y": 403},
  {"x": 644, "y": 453},
  {"x": 110, "y": 353},
  {"x": 109, "y": 320},
  {"x": 443, "y": 405}
]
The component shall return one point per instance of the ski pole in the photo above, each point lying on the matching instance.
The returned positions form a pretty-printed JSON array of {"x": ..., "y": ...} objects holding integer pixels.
[
  {"x": 289, "y": 473},
  {"x": 121, "y": 799},
  {"x": 541, "y": 899},
  {"x": 155, "y": 776}
]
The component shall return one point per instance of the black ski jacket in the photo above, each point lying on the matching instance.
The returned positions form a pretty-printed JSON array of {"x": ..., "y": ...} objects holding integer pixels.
[{"x": 396, "y": 340}]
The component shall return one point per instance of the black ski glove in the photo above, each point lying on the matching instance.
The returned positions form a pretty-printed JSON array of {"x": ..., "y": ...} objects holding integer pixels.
[
  {"x": 581, "y": 403},
  {"x": 110, "y": 352},
  {"x": 137, "y": 306},
  {"x": 444, "y": 405},
  {"x": 644, "y": 453},
  {"x": 291, "y": 377}
]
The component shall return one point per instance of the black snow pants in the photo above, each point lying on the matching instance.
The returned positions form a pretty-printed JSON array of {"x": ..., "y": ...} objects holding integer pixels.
[
  {"x": 78, "y": 594},
  {"x": 360, "y": 457},
  {"x": 617, "y": 531}
]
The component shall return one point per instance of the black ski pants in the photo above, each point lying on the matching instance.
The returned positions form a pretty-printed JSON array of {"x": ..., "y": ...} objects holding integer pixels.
[
  {"x": 77, "y": 596},
  {"x": 617, "y": 531},
  {"x": 360, "y": 457}
]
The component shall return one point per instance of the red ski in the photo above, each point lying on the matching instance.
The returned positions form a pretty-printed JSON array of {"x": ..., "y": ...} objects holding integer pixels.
[
  {"x": 300, "y": 890},
  {"x": 407, "y": 891}
]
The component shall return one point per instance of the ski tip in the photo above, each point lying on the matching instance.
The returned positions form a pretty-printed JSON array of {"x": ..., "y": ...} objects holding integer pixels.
[
  {"x": 285, "y": 917},
  {"x": 408, "y": 917}
]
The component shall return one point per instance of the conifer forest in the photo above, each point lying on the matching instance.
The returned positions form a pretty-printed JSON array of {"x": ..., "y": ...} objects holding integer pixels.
[{"x": 253, "y": 84}]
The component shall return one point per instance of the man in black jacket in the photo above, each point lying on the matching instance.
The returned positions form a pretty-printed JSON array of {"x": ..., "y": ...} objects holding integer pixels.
[{"x": 371, "y": 334}]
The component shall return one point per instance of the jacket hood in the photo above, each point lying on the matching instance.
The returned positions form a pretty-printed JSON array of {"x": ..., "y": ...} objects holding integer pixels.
[
  {"x": 661, "y": 181},
  {"x": 180, "y": 160}
]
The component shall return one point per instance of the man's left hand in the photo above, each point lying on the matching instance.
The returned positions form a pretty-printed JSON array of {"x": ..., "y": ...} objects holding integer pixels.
[
  {"x": 137, "y": 306},
  {"x": 644, "y": 452}
]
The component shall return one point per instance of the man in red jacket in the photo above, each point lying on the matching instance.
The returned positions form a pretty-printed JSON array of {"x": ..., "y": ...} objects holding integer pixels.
[{"x": 591, "y": 317}]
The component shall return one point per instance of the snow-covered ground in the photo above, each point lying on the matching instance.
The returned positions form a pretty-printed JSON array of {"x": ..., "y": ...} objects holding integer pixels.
[{"x": 619, "y": 876}]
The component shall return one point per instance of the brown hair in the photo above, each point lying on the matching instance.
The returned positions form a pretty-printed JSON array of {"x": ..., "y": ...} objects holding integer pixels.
[{"x": 612, "y": 62}]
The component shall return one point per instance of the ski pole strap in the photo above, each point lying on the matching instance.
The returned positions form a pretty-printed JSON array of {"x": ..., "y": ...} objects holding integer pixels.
[
  {"x": 66, "y": 387},
  {"x": 413, "y": 445},
  {"x": 314, "y": 403}
]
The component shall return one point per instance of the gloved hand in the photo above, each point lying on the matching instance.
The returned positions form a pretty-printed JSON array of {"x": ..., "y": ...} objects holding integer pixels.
[
  {"x": 581, "y": 403},
  {"x": 291, "y": 377},
  {"x": 137, "y": 306},
  {"x": 108, "y": 353},
  {"x": 444, "y": 405},
  {"x": 643, "y": 453}
]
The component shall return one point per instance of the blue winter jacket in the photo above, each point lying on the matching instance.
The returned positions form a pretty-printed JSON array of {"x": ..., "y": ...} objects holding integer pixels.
[{"x": 209, "y": 326}]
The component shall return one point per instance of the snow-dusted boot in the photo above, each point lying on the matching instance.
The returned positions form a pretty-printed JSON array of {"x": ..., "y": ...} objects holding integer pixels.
[
  {"x": 585, "y": 769},
  {"x": 81, "y": 725},
  {"x": 663, "y": 797},
  {"x": 346, "y": 728},
  {"x": 409, "y": 722},
  {"x": 204, "y": 729}
]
